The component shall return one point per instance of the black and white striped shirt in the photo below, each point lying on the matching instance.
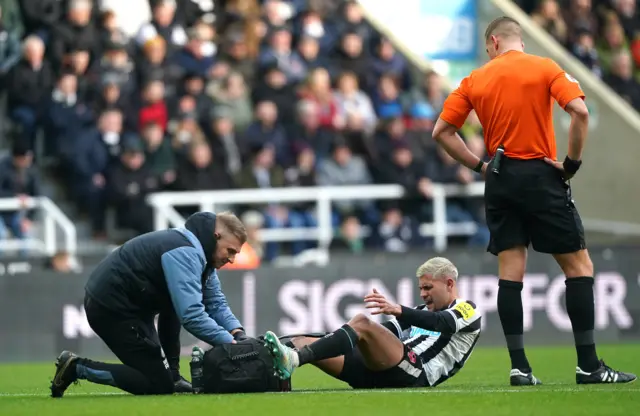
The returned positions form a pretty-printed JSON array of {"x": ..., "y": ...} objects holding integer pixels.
[{"x": 443, "y": 340}]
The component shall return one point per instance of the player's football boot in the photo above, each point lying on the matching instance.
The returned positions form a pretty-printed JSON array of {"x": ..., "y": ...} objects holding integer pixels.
[
  {"x": 518, "y": 378},
  {"x": 285, "y": 359},
  {"x": 65, "y": 373},
  {"x": 603, "y": 375}
]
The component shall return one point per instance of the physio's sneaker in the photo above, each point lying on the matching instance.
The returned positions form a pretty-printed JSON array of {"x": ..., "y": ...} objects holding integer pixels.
[
  {"x": 285, "y": 359},
  {"x": 604, "y": 374},
  {"x": 65, "y": 373},
  {"x": 182, "y": 386},
  {"x": 519, "y": 378}
]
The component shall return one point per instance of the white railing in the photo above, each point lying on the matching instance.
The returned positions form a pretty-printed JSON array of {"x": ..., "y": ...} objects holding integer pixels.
[
  {"x": 51, "y": 216},
  {"x": 166, "y": 216}
]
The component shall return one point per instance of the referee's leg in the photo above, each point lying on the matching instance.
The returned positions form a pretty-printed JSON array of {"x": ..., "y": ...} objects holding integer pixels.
[
  {"x": 557, "y": 229},
  {"x": 509, "y": 239}
]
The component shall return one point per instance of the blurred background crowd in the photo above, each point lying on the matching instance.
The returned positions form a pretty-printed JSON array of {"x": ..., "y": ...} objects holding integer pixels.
[
  {"x": 222, "y": 94},
  {"x": 603, "y": 34}
]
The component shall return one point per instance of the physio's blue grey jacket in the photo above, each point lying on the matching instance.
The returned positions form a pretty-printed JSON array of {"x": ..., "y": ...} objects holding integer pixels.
[{"x": 166, "y": 271}]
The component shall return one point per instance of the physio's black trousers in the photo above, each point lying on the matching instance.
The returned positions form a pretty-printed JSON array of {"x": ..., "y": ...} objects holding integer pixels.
[{"x": 137, "y": 344}]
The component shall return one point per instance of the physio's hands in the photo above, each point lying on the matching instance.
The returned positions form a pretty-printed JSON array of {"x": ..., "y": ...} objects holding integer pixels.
[
  {"x": 239, "y": 335},
  {"x": 381, "y": 305}
]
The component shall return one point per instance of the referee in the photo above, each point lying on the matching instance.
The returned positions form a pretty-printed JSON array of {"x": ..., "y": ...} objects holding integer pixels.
[{"x": 527, "y": 198}]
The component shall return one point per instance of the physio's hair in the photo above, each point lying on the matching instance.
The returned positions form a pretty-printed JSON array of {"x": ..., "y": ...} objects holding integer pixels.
[
  {"x": 438, "y": 267},
  {"x": 232, "y": 224},
  {"x": 505, "y": 27}
]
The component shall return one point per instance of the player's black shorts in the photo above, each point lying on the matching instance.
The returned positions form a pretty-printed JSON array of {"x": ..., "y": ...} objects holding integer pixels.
[
  {"x": 530, "y": 203},
  {"x": 408, "y": 373}
]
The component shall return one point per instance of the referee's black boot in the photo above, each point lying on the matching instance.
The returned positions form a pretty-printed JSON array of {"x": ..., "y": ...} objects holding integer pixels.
[
  {"x": 65, "y": 373},
  {"x": 519, "y": 378},
  {"x": 603, "y": 375}
]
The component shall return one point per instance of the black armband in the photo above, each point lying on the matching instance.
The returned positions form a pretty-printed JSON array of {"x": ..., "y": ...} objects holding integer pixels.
[
  {"x": 479, "y": 166},
  {"x": 571, "y": 166}
]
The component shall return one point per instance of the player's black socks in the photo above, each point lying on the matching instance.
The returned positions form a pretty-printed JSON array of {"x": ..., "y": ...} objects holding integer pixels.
[
  {"x": 580, "y": 308},
  {"x": 510, "y": 311},
  {"x": 335, "y": 344}
]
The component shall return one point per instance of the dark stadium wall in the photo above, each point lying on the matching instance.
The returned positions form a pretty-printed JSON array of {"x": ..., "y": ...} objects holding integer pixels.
[
  {"x": 607, "y": 187},
  {"x": 41, "y": 311}
]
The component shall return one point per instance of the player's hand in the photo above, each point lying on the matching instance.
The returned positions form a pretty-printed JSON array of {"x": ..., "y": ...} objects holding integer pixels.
[
  {"x": 240, "y": 336},
  {"x": 381, "y": 305},
  {"x": 558, "y": 165}
]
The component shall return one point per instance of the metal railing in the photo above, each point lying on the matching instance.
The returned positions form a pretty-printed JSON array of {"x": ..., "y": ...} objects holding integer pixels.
[
  {"x": 51, "y": 216},
  {"x": 166, "y": 216}
]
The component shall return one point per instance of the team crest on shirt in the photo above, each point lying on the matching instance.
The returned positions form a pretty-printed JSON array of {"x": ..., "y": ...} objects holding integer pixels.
[{"x": 570, "y": 78}]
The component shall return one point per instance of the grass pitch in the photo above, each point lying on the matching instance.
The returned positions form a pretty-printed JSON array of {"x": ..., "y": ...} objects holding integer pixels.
[{"x": 481, "y": 388}]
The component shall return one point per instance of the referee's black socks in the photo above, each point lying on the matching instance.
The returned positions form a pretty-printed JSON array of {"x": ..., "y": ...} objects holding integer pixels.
[
  {"x": 581, "y": 311},
  {"x": 510, "y": 311},
  {"x": 335, "y": 344}
]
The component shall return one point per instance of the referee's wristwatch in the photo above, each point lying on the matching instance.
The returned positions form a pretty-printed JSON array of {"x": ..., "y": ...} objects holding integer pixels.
[
  {"x": 571, "y": 166},
  {"x": 479, "y": 166}
]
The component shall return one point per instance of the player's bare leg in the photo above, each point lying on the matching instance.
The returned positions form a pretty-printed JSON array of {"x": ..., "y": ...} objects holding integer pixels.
[
  {"x": 380, "y": 348},
  {"x": 578, "y": 269},
  {"x": 511, "y": 267}
]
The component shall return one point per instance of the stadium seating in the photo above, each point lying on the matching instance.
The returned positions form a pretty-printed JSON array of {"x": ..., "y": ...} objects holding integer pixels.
[{"x": 220, "y": 95}]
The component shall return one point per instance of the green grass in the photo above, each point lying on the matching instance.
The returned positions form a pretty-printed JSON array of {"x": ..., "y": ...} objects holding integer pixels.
[{"x": 481, "y": 388}]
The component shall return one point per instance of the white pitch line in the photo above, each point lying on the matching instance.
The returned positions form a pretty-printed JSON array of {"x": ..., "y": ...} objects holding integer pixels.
[{"x": 425, "y": 391}]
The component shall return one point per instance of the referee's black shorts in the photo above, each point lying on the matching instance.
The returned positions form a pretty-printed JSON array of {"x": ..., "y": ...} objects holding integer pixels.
[{"x": 530, "y": 203}]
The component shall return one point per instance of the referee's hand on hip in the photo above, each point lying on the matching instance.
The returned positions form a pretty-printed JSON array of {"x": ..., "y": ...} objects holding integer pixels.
[{"x": 560, "y": 166}]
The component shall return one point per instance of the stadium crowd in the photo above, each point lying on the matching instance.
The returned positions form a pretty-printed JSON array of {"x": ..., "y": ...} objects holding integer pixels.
[
  {"x": 215, "y": 95},
  {"x": 603, "y": 34}
]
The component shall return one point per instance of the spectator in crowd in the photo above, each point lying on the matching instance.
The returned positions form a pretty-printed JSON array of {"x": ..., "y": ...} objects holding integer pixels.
[
  {"x": 237, "y": 55},
  {"x": 163, "y": 23},
  {"x": 444, "y": 169},
  {"x": 317, "y": 89},
  {"x": 29, "y": 84},
  {"x": 158, "y": 155},
  {"x": 266, "y": 130},
  {"x": 198, "y": 55},
  {"x": 309, "y": 50},
  {"x": 621, "y": 79},
  {"x": 355, "y": 106},
  {"x": 311, "y": 25},
  {"x": 18, "y": 179},
  {"x": 76, "y": 33},
  {"x": 612, "y": 44},
  {"x": 200, "y": 171},
  {"x": 307, "y": 131},
  {"x": 9, "y": 45},
  {"x": 419, "y": 133},
  {"x": 626, "y": 11},
  {"x": 351, "y": 56},
  {"x": 154, "y": 107},
  {"x": 343, "y": 168},
  {"x": 579, "y": 15},
  {"x": 302, "y": 174},
  {"x": 387, "y": 96},
  {"x": 186, "y": 132},
  {"x": 584, "y": 49},
  {"x": 96, "y": 150},
  {"x": 274, "y": 87},
  {"x": 349, "y": 236},
  {"x": 129, "y": 182},
  {"x": 354, "y": 21},
  {"x": 388, "y": 61},
  {"x": 396, "y": 233},
  {"x": 67, "y": 116},
  {"x": 549, "y": 17},
  {"x": 235, "y": 96},
  {"x": 109, "y": 31},
  {"x": 154, "y": 63},
  {"x": 263, "y": 173},
  {"x": 279, "y": 52},
  {"x": 228, "y": 150},
  {"x": 431, "y": 91}
]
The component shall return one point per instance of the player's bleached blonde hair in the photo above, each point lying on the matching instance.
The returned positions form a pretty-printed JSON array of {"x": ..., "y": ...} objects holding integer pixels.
[{"x": 438, "y": 267}]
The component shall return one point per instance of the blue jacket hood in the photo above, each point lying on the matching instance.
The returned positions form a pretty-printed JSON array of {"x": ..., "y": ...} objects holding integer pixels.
[{"x": 203, "y": 226}]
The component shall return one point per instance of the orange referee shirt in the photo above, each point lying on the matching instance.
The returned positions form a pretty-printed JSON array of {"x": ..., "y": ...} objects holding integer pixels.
[{"x": 513, "y": 96}]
